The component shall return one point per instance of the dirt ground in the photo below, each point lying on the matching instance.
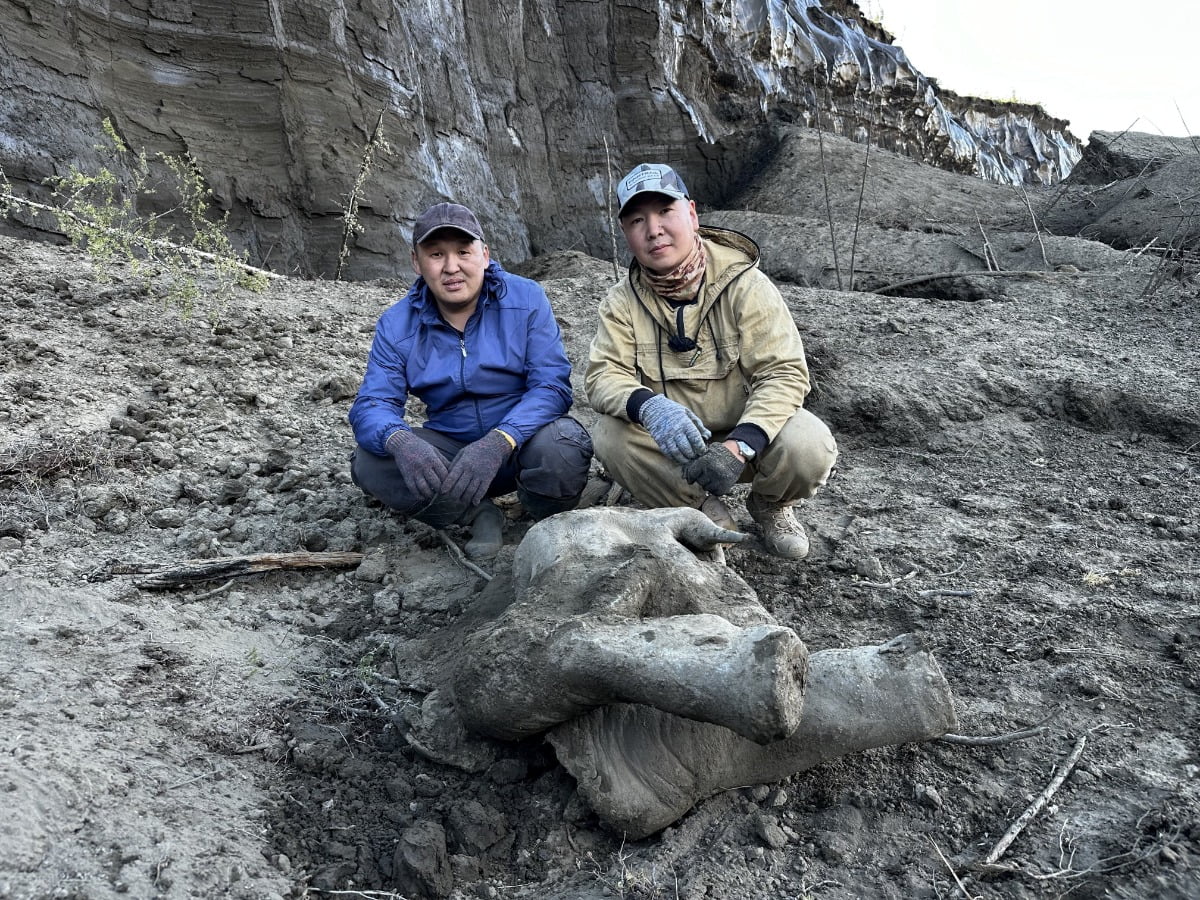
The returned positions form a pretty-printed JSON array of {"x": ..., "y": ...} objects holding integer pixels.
[{"x": 1019, "y": 484}]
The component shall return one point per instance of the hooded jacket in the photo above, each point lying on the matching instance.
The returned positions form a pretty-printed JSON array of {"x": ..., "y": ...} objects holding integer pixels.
[
  {"x": 748, "y": 367},
  {"x": 506, "y": 370}
]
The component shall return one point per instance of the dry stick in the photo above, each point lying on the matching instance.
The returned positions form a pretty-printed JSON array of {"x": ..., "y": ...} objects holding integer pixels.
[
  {"x": 992, "y": 740},
  {"x": 944, "y": 592},
  {"x": 457, "y": 553},
  {"x": 1037, "y": 805},
  {"x": 991, "y": 273},
  {"x": 950, "y": 869},
  {"x": 828, "y": 204},
  {"x": 612, "y": 228},
  {"x": 862, "y": 190},
  {"x": 1032, "y": 218},
  {"x": 1186, "y": 130},
  {"x": 146, "y": 242},
  {"x": 989, "y": 257}
]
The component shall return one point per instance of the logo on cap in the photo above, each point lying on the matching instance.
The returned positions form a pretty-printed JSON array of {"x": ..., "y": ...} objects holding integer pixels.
[{"x": 650, "y": 178}]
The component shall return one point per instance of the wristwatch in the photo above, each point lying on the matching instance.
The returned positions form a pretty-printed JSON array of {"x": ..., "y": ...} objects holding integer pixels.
[{"x": 745, "y": 449}]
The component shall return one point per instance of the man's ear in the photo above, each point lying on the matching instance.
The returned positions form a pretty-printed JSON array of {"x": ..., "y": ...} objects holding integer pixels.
[
  {"x": 487, "y": 254},
  {"x": 416, "y": 267},
  {"x": 694, "y": 217}
]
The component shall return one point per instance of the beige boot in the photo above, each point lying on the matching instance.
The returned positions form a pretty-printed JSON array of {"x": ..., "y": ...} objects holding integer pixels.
[{"x": 782, "y": 533}]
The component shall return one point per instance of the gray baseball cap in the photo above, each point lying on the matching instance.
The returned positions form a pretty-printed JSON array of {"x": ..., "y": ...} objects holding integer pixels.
[
  {"x": 650, "y": 178},
  {"x": 446, "y": 215}
]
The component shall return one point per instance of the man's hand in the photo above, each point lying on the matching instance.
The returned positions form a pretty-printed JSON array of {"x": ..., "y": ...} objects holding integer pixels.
[
  {"x": 475, "y": 467},
  {"x": 717, "y": 471},
  {"x": 678, "y": 431},
  {"x": 421, "y": 465}
]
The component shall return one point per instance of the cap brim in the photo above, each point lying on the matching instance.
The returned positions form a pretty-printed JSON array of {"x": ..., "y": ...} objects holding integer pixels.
[{"x": 674, "y": 195}]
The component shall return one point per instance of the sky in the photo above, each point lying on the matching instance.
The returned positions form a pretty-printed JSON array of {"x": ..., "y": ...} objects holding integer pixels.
[{"x": 1099, "y": 65}]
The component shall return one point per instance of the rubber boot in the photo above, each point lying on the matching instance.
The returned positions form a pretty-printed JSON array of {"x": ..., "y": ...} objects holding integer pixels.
[{"x": 487, "y": 531}]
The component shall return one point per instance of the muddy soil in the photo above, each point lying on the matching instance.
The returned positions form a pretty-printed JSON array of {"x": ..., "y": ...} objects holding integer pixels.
[{"x": 1019, "y": 483}]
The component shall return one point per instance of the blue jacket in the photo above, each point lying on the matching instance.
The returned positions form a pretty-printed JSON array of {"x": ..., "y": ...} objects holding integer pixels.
[{"x": 507, "y": 370}]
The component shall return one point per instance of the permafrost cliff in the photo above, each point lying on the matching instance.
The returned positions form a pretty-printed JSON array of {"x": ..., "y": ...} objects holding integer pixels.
[{"x": 526, "y": 111}]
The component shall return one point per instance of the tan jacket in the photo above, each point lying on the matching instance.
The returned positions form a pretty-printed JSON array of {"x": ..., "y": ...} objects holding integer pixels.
[{"x": 749, "y": 366}]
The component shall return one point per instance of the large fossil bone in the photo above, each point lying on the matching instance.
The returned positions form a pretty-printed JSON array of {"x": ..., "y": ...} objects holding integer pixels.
[
  {"x": 662, "y": 679},
  {"x": 615, "y": 605},
  {"x": 640, "y": 769}
]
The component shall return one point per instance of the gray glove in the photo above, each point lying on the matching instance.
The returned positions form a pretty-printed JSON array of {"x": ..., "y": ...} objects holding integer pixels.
[
  {"x": 421, "y": 466},
  {"x": 717, "y": 471},
  {"x": 677, "y": 430}
]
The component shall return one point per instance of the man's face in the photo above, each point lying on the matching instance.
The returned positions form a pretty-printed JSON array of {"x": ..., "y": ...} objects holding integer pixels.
[
  {"x": 659, "y": 230},
  {"x": 452, "y": 264}
]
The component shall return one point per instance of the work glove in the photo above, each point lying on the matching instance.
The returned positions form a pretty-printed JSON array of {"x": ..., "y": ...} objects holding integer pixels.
[
  {"x": 677, "y": 430},
  {"x": 421, "y": 465},
  {"x": 475, "y": 468},
  {"x": 717, "y": 471}
]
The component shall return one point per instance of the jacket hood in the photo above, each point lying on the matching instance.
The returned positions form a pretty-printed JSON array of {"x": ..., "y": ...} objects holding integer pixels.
[{"x": 730, "y": 253}]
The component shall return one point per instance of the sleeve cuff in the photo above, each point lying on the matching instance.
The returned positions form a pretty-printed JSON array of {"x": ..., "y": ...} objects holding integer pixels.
[
  {"x": 633, "y": 406},
  {"x": 752, "y": 435}
]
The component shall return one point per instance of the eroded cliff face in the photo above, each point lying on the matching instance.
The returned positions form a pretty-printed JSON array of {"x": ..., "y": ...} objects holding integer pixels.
[{"x": 526, "y": 111}]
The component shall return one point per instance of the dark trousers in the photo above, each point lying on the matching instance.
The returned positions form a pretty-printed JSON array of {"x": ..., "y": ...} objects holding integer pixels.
[{"x": 548, "y": 473}]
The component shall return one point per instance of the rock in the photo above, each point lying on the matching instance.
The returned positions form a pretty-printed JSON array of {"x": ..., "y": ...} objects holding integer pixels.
[
  {"x": 475, "y": 827},
  {"x": 421, "y": 864},
  {"x": 373, "y": 567},
  {"x": 769, "y": 832}
]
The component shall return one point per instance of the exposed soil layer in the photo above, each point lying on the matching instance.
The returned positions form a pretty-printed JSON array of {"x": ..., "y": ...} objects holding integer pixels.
[{"x": 1019, "y": 484}]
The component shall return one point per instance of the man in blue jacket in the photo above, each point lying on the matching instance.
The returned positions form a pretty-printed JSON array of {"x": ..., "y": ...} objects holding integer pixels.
[{"x": 480, "y": 347}]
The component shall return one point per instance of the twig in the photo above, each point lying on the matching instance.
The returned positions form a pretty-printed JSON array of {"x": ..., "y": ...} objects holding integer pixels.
[
  {"x": 837, "y": 268},
  {"x": 1032, "y": 218},
  {"x": 989, "y": 257},
  {"x": 890, "y": 585},
  {"x": 350, "y": 216},
  {"x": 611, "y": 217},
  {"x": 862, "y": 190},
  {"x": 939, "y": 592},
  {"x": 180, "y": 784},
  {"x": 950, "y": 869},
  {"x": 457, "y": 553},
  {"x": 1039, "y": 803},
  {"x": 992, "y": 740},
  {"x": 226, "y": 586}
]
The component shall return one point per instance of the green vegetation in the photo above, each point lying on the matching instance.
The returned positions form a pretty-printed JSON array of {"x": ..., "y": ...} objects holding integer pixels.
[{"x": 99, "y": 212}]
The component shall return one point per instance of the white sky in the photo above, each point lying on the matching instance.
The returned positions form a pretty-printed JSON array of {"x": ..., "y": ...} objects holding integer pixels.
[{"x": 1098, "y": 65}]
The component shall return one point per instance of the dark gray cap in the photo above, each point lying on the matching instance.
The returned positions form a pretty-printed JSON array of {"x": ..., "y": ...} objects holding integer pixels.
[
  {"x": 650, "y": 178},
  {"x": 446, "y": 215}
]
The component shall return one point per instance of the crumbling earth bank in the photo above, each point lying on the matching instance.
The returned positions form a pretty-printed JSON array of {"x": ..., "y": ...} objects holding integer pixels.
[{"x": 1018, "y": 485}]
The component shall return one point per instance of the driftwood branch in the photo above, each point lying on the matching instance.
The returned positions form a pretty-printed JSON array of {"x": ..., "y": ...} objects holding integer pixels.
[
  {"x": 994, "y": 273},
  {"x": 198, "y": 571}
]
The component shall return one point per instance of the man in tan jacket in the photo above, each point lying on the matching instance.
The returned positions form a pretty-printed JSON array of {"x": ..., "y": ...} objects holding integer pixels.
[{"x": 698, "y": 371}]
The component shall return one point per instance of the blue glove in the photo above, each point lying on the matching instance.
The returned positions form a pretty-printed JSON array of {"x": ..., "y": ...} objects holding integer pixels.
[
  {"x": 421, "y": 465},
  {"x": 717, "y": 471},
  {"x": 475, "y": 468},
  {"x": 677, "y": 430}
]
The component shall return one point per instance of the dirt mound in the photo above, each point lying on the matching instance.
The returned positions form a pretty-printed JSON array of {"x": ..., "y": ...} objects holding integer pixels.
[{"x": 1018, "y": 485}]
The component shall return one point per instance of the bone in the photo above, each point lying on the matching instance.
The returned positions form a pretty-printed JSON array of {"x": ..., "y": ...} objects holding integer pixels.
[{"x": 641, "y": 769}]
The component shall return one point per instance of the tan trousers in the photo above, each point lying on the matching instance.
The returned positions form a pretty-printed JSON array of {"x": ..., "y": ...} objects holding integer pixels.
[{"x": 792, "y": 468}]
